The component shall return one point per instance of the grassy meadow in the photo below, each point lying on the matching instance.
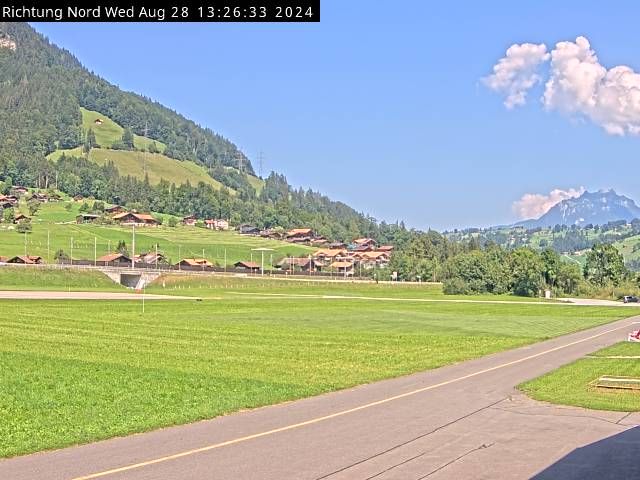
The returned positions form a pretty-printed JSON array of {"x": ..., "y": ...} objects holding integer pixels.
[
  {"x": 571, "y": 384},
  {"x": 75, "y": 371},
  {"x": 58, "y": 223},
  {"x": 140, "y": 162}
]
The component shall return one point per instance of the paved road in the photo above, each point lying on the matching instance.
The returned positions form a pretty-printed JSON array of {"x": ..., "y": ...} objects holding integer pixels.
[
  {"x": 44, "y": 295},
  {"x": 457, "y": 422}
]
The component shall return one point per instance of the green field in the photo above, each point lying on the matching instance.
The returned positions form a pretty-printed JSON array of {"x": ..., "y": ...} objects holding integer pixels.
[
  {"x": 571, "y": 384},
  {"x": 109, "y": 132},
  {"x": 56, "y": 279},
  {"x": 175, "y": 243},
  {"x": 155, "y": 165},
  {"x": 308, "y": 287},
  {"x": 75, "y": 372}
]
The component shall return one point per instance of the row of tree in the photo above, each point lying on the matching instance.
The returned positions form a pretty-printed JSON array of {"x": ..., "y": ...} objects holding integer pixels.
[{"x": 472, "y": 267}]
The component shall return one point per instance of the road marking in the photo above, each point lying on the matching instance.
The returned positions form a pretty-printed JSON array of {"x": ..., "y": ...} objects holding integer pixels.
[{"x": 336, "y": 414}]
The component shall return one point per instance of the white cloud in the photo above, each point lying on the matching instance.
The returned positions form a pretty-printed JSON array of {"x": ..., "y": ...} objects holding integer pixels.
[
  {"x": 534, "y": 205},
  {"x": 577, "y": 84},
  {"x": 516, "y": 73}
]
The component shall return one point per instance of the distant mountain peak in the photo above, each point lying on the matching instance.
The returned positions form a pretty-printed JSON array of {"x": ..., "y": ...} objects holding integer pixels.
[{"x": 595, "y": 208}]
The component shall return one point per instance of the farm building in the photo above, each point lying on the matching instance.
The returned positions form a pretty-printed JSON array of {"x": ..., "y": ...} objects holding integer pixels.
[
  {"x": 20, "y": 218},
  {"x": 246, "y": 229},
  {"x": 114, "y": 210},
  {"x": 344, "y": 268},
  {"x": 151, "y": 258},
  {"x": 299, "y": 263},
  {"x": 87, "y": 218},
  {"x": 25, "y": 260},
  {"x": 249, "y": 266},
  {"x": 189, "y": 220},
  {"x": 385, "y": 248},
  {"x": 361, "y": 242},
  {"x": 216, "y": 224},
  {"x": 138, "y": 219},
  {"x": 19, "y": 190},
  {"x": 331, "y": 254},
  {"x": 115, "y": 260},
  {"x": 300, "y": 235},
  {"x": 337, "y": 245},
  {"x": 194, "y": 263}
]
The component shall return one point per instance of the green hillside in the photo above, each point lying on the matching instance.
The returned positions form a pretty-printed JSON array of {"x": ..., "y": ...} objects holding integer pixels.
[
  {"x": 136, "y": 163},
  {"x": 57, "y": 221},
  {"x": 109, "y": 132}
]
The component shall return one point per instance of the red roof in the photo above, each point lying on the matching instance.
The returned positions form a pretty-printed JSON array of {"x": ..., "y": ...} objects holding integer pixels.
[
  {"x": 251, "y": 265},
  {"x": 112, "y": 257}
]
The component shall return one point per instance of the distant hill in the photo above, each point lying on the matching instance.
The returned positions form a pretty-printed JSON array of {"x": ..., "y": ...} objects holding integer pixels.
[
  {"x": 63, "y": 126},
  {"x": 597, "y": 208}
]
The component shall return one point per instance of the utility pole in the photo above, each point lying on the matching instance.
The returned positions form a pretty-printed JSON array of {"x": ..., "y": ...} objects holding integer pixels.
[
  {"x": 225, "y": 260},
  {"x": 71, "y": 256},
  {"x": 95, "y": 251},
  {"x": 48, "y": 247},
  {"x": 25, "y": 244},
  {"x": 133, "y": 245}
]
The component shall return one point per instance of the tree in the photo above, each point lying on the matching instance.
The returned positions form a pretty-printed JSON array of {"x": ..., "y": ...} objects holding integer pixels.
[
  {"x": 24, "y": 227},
  {"x": 122, "y": 248},
  {"x": 90, "y": 141},
  {"x": 172, "y": 222},
  {"x": 127, "y": 139},
  {"x": 61, "y": 257},
  {"x": 34, "y": 206},
  {"x": 9, "y": 215},
  {"x": 527, "y": 272},
  {"x": 153, "y": 148},
  {"x": 604, "y": 265}
]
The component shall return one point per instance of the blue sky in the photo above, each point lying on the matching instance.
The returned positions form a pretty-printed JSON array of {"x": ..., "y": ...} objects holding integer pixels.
[{"x": 384, "y": 109}]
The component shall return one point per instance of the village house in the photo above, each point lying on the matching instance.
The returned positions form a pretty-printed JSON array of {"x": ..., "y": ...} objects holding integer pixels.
[
  {"x": 20, "y": 218},
  {"x": 87, "y": 218},
  {"x": 115, "y": 260},
  {"x": 372, "y": 259},
  {"x": 189, "y": 220},
  {"x": 98, "y": 121},
  {"x": 150, "y": 258},
  {"x": 4, "y": 204},
  {"x": 216, "y": 224},
  {"x": 299, "y": 263},
  {"x": 137, "y": 219},
  {"x": 246, "y": 229},
  {"x": 385, "y": 248},
  {"x": 343, "y": 268},
  {"x": 25, "y": 260},
  {"x": 10, "y": 199},
  {"x": 299, "y": 235},
  {"x": 248, "y": 266},
  {"x": 18, "y": 190},
  {"x": 78, "y": 198},
  {"x": 193, "y": 263},
  {"x": 362, "y": 242},
  {"x": 330, "y": 254},
  {"x": 337, "y": 245},
  {"x": 114, "y": 210}
]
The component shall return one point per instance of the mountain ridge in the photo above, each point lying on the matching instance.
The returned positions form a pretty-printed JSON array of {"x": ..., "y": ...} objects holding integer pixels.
[{"x": 595, "y": 208}]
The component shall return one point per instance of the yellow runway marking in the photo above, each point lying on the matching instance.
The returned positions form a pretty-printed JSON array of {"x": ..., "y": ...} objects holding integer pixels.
[{"x": 336, "y": 414}]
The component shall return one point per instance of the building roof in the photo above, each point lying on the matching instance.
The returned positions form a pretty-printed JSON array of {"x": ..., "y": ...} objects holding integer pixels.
[
  {"x": 140, "y": 216},
  {"x": 196, "y": 262},
  {"x": 29, "y": 259},
  {"x": 112, "y": 257},
  {"x": 359, "y": 241},
  {"x": 385, "y": 248},
  {"x": 251, "y": 265},
  {"x": 300, "y": 231},
  {"x": 341, "y": 265},
  {"x": 330, "y": 252},
  {"x": 375, "y": 254}
]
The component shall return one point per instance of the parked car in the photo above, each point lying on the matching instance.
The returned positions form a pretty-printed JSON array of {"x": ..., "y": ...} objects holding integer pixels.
[{"x": 630, "y": 299}]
